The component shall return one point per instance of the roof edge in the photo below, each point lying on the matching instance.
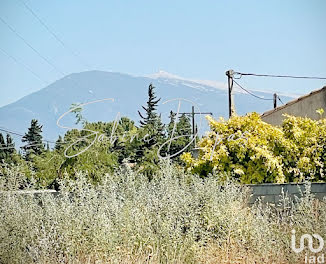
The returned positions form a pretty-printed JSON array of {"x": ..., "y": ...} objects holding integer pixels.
[{"x": 267, "y": 113}]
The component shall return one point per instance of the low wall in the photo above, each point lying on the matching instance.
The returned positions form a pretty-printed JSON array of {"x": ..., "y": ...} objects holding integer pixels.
[
  {"x": 267, "y": 192},
  {"x": 271, "y": 192}
]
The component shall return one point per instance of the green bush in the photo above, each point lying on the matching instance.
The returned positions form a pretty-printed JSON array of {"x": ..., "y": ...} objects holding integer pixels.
[{"x": 255, "y": 152}]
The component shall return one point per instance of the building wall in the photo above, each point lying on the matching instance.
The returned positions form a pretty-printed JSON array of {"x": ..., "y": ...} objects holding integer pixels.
[{"x": 305, "y": 106}]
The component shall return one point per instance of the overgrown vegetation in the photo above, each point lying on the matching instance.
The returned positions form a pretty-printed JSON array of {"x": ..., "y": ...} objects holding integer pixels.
[
  {"x": 120, "y": 203},
  {"x": 126, "y": 218},
  {"x": 255, "y": 152},
  {"x": 245, "y": 147},
  {"x": 101, "y": 147}
]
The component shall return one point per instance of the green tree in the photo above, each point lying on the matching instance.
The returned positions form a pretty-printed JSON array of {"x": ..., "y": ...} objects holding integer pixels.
[
  {"x": 150, "y": 108},
  {"x": 180, "y": 135},
  {"x": 58, "y": 144},
  {"x": 33, "y": 138},
  {"x": 184, "y": 130},
  {"x": 3, "y": 148},
  {"x": 10, "y": 150},
  {"x": 152, "y": 132},
  {"x": 170, "y": 126},
  {"x": 127, "y": 144},
  {"x": 7, "y": 150},
  {"x": 151, "y": 122},
  {"x": 10, "y": 144}
]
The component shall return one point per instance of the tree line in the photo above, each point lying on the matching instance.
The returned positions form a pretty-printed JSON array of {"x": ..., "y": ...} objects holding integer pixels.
[
  {"x": 243, "y": 147},
  {"x": 135, "y": 146}
]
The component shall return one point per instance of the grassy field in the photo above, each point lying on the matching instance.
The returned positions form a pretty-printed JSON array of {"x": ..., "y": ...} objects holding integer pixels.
[{"x": 175, "y": 218}]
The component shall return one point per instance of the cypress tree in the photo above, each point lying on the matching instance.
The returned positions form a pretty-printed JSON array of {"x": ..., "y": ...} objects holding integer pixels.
[
  {"x": 10, "y": 145},
  {"x": 58, "y": 143},
  {"x": 10, "y": 148},
  {"x": 152, "y": 103},
  {"x": 33, "y": 138},
  {"x": 3, "y": 147},
  {"x": 153, "y": 133},
  {"x": 184, "y": 126},
  {"x": 172, "y": 117},
  {"x": 7, "y": 148},
  {"x": 151, "y": 121},
  {"x": 182, "y": 133}
]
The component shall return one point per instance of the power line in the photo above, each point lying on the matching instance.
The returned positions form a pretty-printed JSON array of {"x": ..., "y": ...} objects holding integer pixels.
[
  {"x": 280, "y": 99},
  {"x": 21, "y": 135},
  {"x": 278, "y": 76},
  {"x": 30, "y": 46},
  {"x": 38, "y": 53},
  {"x": 262, "y": 98},
  {"x": 24, "y": 65},
  {"x": 54, "y": 34},
  {"x": 11, "y": 132}
]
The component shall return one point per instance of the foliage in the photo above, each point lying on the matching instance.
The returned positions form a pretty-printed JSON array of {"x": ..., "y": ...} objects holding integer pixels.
[
  {"x": 58, "y": 143},
  {"x": 175, "y": 218},
  {"x": 255, "y": 152},
  {"x": 150, "y": 109},
  {"x": 96, "y": 148},
  {"x": 33, "y": 138},
  {"x": 7, "y": 149},
  {"x": 153, "y": 133},
  {"x": 77, "y": 110},
  {"x": 180, "y": 135},
  {"x": 80, "y": 150}
]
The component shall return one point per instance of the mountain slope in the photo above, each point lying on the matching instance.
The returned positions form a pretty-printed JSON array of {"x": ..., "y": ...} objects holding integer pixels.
[{"x": 129, "y": 93}]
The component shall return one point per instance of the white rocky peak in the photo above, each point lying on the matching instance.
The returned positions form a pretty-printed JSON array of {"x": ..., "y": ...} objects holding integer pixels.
[
  {"x": 169, "y": 76},
  {"x": 164, "y": 75}
]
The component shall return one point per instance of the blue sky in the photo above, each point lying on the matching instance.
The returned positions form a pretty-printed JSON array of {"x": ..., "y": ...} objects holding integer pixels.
[{"x": 193, "y": 39}]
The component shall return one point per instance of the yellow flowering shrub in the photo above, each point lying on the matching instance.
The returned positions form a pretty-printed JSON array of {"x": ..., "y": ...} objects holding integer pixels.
[{"x": 256, "y": 152}]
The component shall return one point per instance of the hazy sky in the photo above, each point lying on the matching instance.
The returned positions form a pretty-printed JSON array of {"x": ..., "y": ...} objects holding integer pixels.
[{"x": 193, "y": 39}]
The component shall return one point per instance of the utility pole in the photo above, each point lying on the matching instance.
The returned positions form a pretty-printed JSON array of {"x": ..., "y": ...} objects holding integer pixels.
[
  {"x": 193, "y": 120},
  {"x": 230, "y": 74},
  {"x": 275, "y": 100},
  {"x": 193, "y": 113}
]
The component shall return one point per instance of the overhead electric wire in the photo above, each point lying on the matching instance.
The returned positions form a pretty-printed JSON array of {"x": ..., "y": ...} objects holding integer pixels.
[
  {"x": 279, "y": 76},
  {"x": 280, "y": 99},
  {"x": 38, "y": 53},
  {"x": 54, "y": 34},
  {"x": 11, "y": 132},
  {"x": 21, "y": 135},
  {"x": 23, "y": 64},
  {"x": 262, "y": 98},
  {"x": 30, "y": 46}
]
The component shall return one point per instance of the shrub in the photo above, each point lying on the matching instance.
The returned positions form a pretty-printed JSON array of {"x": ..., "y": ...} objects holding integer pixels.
[
  {"x": 174, "y": 218},
  {"x": 256, "y": 152}
]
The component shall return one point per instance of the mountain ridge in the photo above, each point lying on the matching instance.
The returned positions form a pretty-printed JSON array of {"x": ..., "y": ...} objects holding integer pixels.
[{"x": 129, "y": 92}]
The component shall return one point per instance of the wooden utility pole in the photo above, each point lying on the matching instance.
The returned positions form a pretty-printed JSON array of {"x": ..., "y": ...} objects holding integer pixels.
[
  {"x": 230, "y": 74},
  {"x": 193, "y": 113},
  {"x": 275, "y": 100},
  {"x": 193, "y": 120}
]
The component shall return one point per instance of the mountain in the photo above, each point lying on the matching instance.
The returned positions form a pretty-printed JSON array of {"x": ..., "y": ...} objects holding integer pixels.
[{"x": 129, "y": 93}]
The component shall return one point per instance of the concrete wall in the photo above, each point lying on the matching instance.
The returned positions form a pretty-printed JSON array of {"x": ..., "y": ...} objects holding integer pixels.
[
  {"x": 268, "y": 192},
  {"x": 304, "y": 106},
  {"x": 271, "y": 192}
]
